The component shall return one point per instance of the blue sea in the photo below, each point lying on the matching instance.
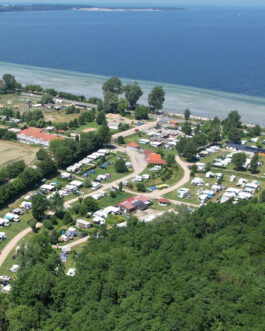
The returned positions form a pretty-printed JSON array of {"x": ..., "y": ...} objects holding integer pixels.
[{"x": 209, "y": 59}]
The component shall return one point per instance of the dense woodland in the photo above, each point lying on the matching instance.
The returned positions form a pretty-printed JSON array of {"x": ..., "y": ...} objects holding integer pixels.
[{"x": 200, "y": 271}]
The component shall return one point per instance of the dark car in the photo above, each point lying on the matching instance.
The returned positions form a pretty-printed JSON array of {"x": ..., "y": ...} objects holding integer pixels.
[
  {"x": 111, "y": 146},
  {"x": 83, "y": 235}
]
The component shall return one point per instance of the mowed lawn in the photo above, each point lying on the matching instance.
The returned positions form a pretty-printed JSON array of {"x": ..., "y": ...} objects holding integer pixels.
[{"x": 12, "y": 151}]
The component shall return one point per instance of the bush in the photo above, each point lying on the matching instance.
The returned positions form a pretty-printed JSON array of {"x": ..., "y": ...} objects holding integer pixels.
[
  {"x": 141, "y": 187},
  {"x": 120, "y": 166},
  {"x": 54, "y": 237},
  {"x": 53, "y": 219},
  {"x": 48, "y": 224},
  {"x": 120, "y": 140}
]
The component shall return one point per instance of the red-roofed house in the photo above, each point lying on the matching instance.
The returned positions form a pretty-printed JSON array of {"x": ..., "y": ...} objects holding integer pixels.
[
  {"x": 155, "y": 159},
  {"x": 133, "y": 145},
  {"x": 163, "y": 202},
  {"x": 134, "y": 203},
  {"x": 36, "y": 136},
  {"x": 173, "y": 123}
]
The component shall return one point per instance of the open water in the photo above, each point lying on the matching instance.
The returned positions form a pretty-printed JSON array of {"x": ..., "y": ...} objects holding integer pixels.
[{"x": 210, "y": 60}]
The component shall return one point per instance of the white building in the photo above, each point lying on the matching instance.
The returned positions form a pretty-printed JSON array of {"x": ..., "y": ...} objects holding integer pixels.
[{"x": 36, "y": 136}]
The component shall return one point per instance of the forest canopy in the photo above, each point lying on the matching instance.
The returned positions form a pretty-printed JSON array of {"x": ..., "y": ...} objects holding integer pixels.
[{"x": 200, "y": 271}]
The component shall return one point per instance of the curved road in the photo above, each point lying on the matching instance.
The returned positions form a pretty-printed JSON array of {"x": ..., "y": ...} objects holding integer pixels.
[
  {"x": 186, "y": 177},
  {"x": 12, "y": 243}
]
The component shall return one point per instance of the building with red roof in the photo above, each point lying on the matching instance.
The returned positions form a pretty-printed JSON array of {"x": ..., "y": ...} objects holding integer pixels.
[
  {"x": 155, "y": 159},
  {"x": 36, "y": 136},
  {"x": 137, "y": 202},
  {"x": 163, "y": 202},
  {"x": 173, "y": 123},
  {"x": 133, "y": 145}
]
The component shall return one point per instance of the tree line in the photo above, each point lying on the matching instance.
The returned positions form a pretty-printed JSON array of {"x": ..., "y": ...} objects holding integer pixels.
[
  {"x": 68, "y": 151},
  {"x": 111, "y": 103},
  {"x": 25, "y": 178}
]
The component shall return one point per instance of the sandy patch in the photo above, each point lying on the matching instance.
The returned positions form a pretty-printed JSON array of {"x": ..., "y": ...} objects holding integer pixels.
[
  {"x": 89, "y": 130},
  {"x": 142, "y": 214},
  {"x": 118, "y": 118}
]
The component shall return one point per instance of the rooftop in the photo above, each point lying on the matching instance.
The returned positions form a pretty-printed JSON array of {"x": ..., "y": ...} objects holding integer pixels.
[
  {"x": 38, "y": 134},
  {"x": 133, "y": 145},
  {"x": 155, "y": 159}
]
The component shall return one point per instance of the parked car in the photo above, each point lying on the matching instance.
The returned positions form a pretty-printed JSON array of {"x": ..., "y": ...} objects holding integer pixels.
[{"x": 83, "y": 234}]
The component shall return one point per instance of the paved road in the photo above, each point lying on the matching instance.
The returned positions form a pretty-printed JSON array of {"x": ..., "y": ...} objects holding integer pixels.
[{"x": 13, "y": 243}]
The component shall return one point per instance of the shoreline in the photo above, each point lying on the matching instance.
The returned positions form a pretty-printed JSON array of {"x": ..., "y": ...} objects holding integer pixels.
[
  {"x": 55, "y": 7},
  {"x": 201, "y": 102}
]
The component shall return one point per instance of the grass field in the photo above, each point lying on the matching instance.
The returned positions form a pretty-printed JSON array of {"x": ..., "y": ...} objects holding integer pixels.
[
  {"x": 11, "y": 151},
  {"x": 109, "y": 201}
]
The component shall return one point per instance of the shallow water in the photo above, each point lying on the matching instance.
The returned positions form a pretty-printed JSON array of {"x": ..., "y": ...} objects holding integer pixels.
[{"x": 201, "y": 102}]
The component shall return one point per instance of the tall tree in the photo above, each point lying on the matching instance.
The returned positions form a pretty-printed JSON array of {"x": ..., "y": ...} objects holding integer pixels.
[
  {"x": 186, "y": 128},
  {"x": 133, "y": 93},
  {"x": 190, "y": 150},
  {"x": 156, "y": 98},
  {"x": 239, "y": 160},
  {"x": 123, "y": 106},
  {"x": 104, "y": 134},
  {"x": 120, "y": 166},
  {"x": 46, "y": 98},
  {"x": 57, "y": 203},
  {"x": 141, "y": 113},
  {"x": 111, "y": 102},
  {"x": 254, "y": 163},
  {"x": 232, "y": 121},
  {"x": 101, "y": 118},
  {"x": 10, "y": 83},
  {"x": 187, "y": 114},
  {"x": 112, "y": 85},
  {"x": 47, "y": 166},
  {"x": 39, "y": 206},
  {"x": 234, "y": 135}
]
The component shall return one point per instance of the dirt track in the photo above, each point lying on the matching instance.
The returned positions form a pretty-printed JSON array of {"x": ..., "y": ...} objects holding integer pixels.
[{"x": 12, "y": 243}]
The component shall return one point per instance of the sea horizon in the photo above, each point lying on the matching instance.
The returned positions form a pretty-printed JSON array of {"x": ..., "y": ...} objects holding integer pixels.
[{"x": 202, "y": 102}]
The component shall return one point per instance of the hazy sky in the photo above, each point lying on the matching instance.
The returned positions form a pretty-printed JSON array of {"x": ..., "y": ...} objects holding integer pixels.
[{"x": 150, "y": 2}]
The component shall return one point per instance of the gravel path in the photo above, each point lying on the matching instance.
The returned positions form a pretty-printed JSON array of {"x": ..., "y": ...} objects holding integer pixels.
[{"x": 12, "y": 243}]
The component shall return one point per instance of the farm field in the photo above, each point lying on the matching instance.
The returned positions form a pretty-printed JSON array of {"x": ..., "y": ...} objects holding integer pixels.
[{"x": 11, "y": 151}]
